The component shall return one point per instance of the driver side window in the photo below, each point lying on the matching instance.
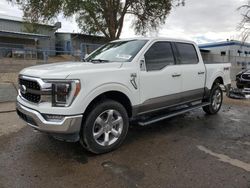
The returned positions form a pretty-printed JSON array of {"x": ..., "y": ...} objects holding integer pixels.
[{"x": 158, "y": 56}]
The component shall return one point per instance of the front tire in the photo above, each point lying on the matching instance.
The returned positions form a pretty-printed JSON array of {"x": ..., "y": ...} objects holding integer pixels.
[
  {"x": 105, "y": 127},
  {"x": 215, "y": 99}
]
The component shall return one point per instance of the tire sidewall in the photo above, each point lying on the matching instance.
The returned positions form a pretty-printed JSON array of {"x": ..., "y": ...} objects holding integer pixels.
[
  {"x": 87, "y": 129},
  {"x": 214, "y": 89}
]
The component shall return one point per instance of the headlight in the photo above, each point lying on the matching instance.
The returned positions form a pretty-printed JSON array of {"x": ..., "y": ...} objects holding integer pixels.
[{"x": 64, "y": 92}]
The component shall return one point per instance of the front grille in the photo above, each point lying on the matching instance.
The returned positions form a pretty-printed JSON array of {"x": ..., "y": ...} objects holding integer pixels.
[
  {"x": 246, "y": 76},
  {"x": 31, "y": 97},
  {"x": 30, "y": 85}
]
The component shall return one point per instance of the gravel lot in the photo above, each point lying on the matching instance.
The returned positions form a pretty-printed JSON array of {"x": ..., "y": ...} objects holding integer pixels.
[{"x": 191, "y": 150}]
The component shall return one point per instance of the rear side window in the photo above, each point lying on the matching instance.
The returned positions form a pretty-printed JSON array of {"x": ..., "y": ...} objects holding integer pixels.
[
  {"x": 187, "y": 53},
  {"x": 159, "y": 56}
]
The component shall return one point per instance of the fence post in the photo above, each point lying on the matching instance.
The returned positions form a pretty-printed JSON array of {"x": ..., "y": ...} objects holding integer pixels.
[
  {"x": 45, "y": 57},
  {"x": 82, "y": 53}
]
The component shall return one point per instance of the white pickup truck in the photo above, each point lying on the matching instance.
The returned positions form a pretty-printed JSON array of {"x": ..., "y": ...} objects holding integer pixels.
[{"x": 142, "y": 79}]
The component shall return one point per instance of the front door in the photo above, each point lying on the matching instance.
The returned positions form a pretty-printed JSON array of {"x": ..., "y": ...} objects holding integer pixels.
[{"x": 160, "y": 83}]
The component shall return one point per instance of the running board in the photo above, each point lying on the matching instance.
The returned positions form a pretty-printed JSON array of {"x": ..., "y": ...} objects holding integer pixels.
[{"x": 170, "y": 114}]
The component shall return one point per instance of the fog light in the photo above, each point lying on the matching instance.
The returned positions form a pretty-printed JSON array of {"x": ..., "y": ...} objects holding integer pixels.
[{"x": 51, "y": 117}]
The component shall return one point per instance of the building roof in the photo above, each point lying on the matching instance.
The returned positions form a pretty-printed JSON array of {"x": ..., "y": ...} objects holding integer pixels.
[
  {"x": 83, "y": 34},
  {"x": 13, "y": 18},
  {"x": 224, "y": 43},
  {"x": 18, "y": 19},
  {"x": 22, "y": 34}
]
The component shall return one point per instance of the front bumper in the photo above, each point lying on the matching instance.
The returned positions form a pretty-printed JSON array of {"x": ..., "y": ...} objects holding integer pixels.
[
  {"x": 67, "y": 125},
  {"x": 246, "y": 91},
  {"x": 244, "y": 85}
]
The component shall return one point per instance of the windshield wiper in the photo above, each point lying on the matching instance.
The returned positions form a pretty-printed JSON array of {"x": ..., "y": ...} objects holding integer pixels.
[{"x": 99, "y": 60}]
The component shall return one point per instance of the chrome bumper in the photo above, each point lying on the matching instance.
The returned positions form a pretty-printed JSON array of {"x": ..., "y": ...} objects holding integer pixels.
[
  {"x": 246, "y": 91},
  {"x": 67, "y": 125}
]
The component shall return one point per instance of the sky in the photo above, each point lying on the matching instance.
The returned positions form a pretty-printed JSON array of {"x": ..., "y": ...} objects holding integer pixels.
[{"x": 199, "y": 20}]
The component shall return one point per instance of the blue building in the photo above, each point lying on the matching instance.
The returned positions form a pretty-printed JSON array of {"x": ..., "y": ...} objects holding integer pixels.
[
  {"x": 231, "y": 48},
  {"x": 235, "y": 52}
]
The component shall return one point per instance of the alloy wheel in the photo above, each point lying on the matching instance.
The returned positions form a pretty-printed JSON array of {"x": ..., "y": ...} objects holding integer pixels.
[
  {"x": 108, "y": 127},
  {"x": 216, "y": 99}
]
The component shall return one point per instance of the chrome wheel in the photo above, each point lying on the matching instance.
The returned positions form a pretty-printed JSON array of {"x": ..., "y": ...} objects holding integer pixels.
[
  {"x": 108, "y": 127},
  {"x": 216, "y": 99}
]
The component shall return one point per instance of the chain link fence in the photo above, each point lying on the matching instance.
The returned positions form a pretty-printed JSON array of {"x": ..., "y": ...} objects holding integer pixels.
[{"x": 14, "y": 59}]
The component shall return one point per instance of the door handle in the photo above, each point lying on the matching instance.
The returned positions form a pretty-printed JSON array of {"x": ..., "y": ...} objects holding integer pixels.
[
  {"x": 201, "y": 72},
  {"x": 176, "y": 75}
]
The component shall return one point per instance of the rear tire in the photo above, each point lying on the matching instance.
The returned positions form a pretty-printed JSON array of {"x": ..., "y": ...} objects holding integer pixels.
[
  {"x": 105, "y": 127},
  {"x": 215, "y": 99}
]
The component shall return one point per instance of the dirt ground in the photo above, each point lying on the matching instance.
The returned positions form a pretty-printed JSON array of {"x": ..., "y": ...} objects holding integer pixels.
[
  {"x": 236, "y": 102},
  {"x": 191, "y": 150}
]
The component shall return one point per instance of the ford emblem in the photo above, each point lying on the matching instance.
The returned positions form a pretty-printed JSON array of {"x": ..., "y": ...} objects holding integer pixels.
[{"x": 23, "y": 89}]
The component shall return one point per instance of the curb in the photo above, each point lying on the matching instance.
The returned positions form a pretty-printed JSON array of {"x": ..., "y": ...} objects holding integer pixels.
[
  {"x": 8, "y": 111},
  {"x": 11, "y": 109}
]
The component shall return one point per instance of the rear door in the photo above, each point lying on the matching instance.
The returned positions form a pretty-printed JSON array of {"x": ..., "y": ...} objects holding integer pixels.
[
  {"x": 160, "y": 83},
  {"x": 193, "y": 72}
]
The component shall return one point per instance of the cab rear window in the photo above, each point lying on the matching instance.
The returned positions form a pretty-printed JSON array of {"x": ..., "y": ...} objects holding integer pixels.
[{"x": 187, "y": 53}]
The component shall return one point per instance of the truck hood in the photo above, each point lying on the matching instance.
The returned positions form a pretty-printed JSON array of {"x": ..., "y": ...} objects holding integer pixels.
[
  {"x": 247, "y": 72},
  {"x": 63, "y": 70}
]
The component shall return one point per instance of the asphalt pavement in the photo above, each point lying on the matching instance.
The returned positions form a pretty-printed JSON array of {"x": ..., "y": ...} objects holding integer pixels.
[
  {"x": 8, "y": 92},
  {"x": 191, "y": 150}
]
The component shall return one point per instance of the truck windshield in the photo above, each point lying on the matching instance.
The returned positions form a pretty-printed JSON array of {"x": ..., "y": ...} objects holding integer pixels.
[{"x": 118, "y": 51}]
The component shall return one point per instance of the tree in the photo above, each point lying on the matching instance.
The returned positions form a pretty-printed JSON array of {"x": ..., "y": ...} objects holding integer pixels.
[
  {"x": 244, "y": 25},
  {"x": 102, "y": 16},
  {"x": 30, "y": 27}
]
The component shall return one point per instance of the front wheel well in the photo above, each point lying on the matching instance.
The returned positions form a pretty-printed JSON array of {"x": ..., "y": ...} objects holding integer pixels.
[{"x": 113, "y": 95}]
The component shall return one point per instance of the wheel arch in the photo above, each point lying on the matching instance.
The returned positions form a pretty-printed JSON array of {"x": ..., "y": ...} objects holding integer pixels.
[
  {"x": 114, "y": 91},
  {"x": 115, "y": 95},
  {"x": 218, "y": 78}
]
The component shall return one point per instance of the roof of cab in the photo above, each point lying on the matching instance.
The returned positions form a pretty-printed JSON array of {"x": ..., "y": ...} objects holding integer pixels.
[{"x": 158, "y": 38}]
